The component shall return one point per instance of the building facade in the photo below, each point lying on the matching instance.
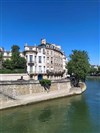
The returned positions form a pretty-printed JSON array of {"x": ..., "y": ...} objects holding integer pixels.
[{"x": 43, "y": 61}]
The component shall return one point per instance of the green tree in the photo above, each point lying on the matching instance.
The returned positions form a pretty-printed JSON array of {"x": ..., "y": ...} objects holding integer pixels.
[
  {"x": 19, "y": 62},
  {"x": 8, "y": 64},
  {"x": 15, "y": 55},
  {"x": 78, "y": 65},
  {"x": 1, "y": 56},
  {"x": 22, "y": 63},
  {"x": 99, "y": 68},
  {"x": 98, "y": 71},
  {"x": 1, "y": 59},
  {"x": 92, "y": 71},
  {"x": 16, "y": 63},
  {"x": 46, "y": 84}
]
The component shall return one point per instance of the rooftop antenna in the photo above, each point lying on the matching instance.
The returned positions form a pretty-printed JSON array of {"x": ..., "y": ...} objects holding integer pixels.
[{"x": 26, "y": 44}]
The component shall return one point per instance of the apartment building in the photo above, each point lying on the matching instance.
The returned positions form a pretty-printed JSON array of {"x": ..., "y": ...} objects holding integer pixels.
[{"x": 45, "y": 60}]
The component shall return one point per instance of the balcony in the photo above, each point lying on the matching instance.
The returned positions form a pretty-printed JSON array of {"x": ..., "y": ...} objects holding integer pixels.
[
  {"x": 32, "y": 63},
  {"x": 37, "y": 72}
]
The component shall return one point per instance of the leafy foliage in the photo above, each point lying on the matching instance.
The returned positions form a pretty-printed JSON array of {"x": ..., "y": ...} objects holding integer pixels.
[
  {"x": 21, "y": 63},
  {"x": 98, "y": 71},
  {"x": 79, "y": 64},
  {"x": 92, "y": 70},
  {"x": 15, "y": 52},
  {"x": 9, "y": 71},
  {"x": 16, "y": 62},
  {"x": 8, "y": 64},
  {"x": 1, "y": 59},
  {"x": 1, "y": 56},
  {"x": 45, "y": 83}
]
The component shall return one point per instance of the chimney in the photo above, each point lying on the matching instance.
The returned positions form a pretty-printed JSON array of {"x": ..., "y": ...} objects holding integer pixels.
[{"x": 43, "y": 41}]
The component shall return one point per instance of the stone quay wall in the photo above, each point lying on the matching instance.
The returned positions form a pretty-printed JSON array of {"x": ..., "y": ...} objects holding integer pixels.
[{"x": 15, "y": 89}]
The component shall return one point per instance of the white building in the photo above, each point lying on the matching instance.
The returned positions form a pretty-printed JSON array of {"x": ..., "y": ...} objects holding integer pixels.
[{"x": 45, "y": 60}]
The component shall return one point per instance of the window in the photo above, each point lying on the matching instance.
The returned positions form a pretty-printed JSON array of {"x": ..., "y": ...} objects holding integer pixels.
[
  {"x": 39, "y": 59},
  {"x": 47, "y": 51},
  {"x": 26, "y": 57},
  {"x": 35, "y": 59},
  {"x": 44, "y": 59},
  {"x": 44, "y": 68},
  {"x": 35, "y": 68},
  {"x": 40, "y": 70},
  {"x": 30, "y": 48},
  {"x": 31, "y": 69},
  {"x": 43, "y": 51},
  {"x": 51, "y": 60},
  {"x": 51, "y": 46},
  {"x": 47, "y": 58},
  {"x": 31, "y": 58},
  {"x": 47, "y": 46},
  {"x": 39, "y": 50}
]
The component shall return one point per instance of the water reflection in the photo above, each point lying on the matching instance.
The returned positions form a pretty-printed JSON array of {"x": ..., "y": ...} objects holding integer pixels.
[
  {"x": 72, "y": 115},
  {"x": 45, "y": 115}
]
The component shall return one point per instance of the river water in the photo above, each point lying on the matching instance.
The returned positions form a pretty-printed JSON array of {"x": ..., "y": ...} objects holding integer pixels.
[{"x": 76, "y": 114}]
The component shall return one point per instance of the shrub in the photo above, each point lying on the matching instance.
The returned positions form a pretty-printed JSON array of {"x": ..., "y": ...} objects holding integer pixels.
[
  {"x": 9, "y": 71},
  {"x": 45, "y": 82}
]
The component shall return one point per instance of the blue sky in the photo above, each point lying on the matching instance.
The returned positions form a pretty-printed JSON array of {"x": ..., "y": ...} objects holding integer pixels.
[{"x": 73, "y": 24}]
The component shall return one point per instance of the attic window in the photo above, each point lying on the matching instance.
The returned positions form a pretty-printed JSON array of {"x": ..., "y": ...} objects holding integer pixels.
[
  {"x": 47, "y": 46},
  {"x": 30, "y": 48},
  {"x": 51, "y": 46}
]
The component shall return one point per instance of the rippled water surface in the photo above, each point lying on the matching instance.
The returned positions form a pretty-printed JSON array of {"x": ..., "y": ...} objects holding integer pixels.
[{"x": 76, "y": 114}]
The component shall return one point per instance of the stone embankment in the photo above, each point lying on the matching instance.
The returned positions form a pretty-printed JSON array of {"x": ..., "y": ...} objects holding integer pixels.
[{"x": 26, "y": 92}]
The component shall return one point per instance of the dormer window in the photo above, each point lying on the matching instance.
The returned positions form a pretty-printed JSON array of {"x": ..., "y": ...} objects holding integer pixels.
[
  {"x": 51, "y": 46},
  {"x": 7, "y": 53},
  {"x": 47, "y": 46},
  {"x": 30, "y": 48},
  {"x": 39, "y": 50}
]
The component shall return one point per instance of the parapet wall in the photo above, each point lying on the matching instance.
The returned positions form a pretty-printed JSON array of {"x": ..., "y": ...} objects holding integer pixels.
[
  {"x": 5, "y": 77},
  {"x": 14, "y": 89}
]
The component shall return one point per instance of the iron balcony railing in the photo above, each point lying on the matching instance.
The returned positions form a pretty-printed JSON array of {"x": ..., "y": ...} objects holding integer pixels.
[{"x": 37, "y": 72}]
